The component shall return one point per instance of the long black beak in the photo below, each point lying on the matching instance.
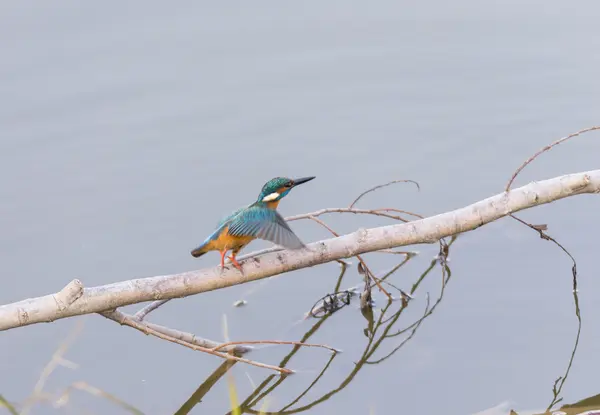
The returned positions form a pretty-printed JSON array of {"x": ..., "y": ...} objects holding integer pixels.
[{"x": 302, "y": 180}]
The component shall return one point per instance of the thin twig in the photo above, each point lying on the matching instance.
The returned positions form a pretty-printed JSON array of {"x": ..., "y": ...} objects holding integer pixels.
[
  {"x": 372, "y": 189},
  {"x": 391, "y": 251},
  {"x": 280, "y": 342},
  {"x": 323, "y": 224},
  {"x": 543, "y": 150},
  {"x": 184, "y": 336},
  {"x": 140, "y": 315},
  {"x": 374, "y": 212},
  {"x": 396, "y": 210},
  {"x": 539, "y": 229}
]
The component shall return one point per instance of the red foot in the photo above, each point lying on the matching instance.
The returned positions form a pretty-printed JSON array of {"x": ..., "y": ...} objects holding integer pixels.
[{"x": 235, "y": 263}]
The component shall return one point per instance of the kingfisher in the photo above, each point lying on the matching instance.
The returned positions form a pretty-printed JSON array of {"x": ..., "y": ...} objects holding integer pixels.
[{"x": 259, "y": 220}]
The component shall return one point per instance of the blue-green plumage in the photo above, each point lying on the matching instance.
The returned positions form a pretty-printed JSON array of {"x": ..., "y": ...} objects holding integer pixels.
[
  {"x": 264, "y": 223},
  {"x": 258, "y": 220}
]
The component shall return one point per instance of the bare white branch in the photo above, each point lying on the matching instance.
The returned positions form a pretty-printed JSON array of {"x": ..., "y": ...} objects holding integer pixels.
[
  {"x": 70, "y": 302},
  {"x": 127, "y": 320},
  {"x": 67, "y": 296},
  {"x": 149, "y": 328}
]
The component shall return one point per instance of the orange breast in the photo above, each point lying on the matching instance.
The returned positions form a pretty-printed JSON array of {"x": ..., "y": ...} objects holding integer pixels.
[{"x": 226, "y": 241}]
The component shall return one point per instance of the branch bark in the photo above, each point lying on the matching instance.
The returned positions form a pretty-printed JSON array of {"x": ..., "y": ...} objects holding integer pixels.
[{"x": 75, "y": 300}]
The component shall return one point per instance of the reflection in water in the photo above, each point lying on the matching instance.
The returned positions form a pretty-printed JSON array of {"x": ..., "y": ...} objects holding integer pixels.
[
  {"x": 541, "y": 229},
  {"x": 560, "y": 381},
  {"x": 205, "y": 387},
  {"x": 380, "y": 331},
  {"x": 588, "y": 406}
]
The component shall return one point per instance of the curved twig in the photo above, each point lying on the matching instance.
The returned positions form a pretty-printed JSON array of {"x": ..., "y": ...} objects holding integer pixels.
[
  {"x": 375, "y": 212},
  {"x": 372, "y": 189},
  {"x": 140, "y": 315},
  {"x": 543, "y": 150}
]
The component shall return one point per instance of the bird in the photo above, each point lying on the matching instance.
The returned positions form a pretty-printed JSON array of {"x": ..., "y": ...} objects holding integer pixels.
[{"x": 259, "y": 220}]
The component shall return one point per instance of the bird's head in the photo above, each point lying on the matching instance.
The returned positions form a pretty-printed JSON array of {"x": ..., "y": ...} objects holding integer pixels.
[{"x": 276, "y": 189}]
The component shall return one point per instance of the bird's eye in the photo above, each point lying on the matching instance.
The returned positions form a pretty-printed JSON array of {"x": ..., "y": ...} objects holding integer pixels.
[{"x": 289, "y": 184}]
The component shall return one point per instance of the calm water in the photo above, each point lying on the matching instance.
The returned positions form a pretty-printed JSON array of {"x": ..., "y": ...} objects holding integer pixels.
[{"x": 129, "y": 129}]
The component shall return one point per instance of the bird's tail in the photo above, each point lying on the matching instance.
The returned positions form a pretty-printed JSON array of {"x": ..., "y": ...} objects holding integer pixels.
[{"x": 198, "y": 252}]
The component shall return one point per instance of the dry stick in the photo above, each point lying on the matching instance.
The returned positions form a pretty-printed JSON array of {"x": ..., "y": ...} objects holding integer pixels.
[
  {"x": 391, "y": 251},
  {"x": 177, "y": 334},
  {"x": 374, "y": 212},
  {"x": 126, "y": 320},
  {"x": 189, "y": 340},
  {"x": 167, "y": 331},
  {"x": 372, "y": 189},
  {"x": 280, "y": 342},
  {"x": 547, "y": 237},
  {"x": 428, "y": 230},
  {"x": 543, "y": 150},
  {"x": 142, "y": 313},
  {"x": 193, "y": 339},
  {"x": 396, "y": 210}
]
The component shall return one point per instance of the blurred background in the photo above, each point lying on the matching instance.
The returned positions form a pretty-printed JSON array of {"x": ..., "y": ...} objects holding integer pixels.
[{"x": 128, "y": 129}]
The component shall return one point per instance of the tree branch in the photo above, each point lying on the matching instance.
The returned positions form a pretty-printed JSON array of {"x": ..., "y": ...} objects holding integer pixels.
[
  {"x": 189, "y": 338},
  {"x": 429, "y": 230},
  {"x": 127, "y": 320}
]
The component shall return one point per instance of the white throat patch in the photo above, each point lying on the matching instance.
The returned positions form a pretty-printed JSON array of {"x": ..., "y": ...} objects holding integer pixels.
[{"x": 271, "y": 197}]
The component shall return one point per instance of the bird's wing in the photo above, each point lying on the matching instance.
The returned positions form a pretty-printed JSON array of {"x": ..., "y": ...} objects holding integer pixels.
[
  {"x": 265, "y": 224},
  {"x": 221, "y": 225},
  {"x": 230, "y": 216}
]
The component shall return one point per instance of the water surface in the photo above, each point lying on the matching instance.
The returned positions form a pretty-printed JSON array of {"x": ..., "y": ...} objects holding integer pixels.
[{"x": 128, "y": 130}]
